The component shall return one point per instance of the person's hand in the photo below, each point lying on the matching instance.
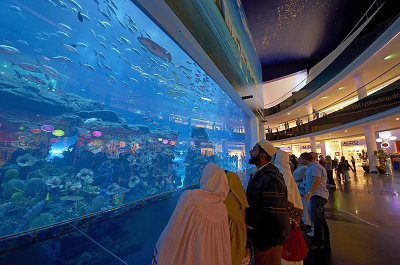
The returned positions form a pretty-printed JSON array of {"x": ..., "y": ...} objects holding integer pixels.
[{"x": 307, "y": 196}]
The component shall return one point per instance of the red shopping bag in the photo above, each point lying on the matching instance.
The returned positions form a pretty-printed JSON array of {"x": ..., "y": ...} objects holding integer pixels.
[{"x": 295, "y": 249}]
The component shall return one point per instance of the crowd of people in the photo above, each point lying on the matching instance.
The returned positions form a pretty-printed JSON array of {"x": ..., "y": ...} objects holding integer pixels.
[{"x": 220, "y": 223}]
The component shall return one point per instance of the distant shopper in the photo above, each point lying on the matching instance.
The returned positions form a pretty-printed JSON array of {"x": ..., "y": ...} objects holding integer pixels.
[
  {"x": 267, "y": 217},
  {"x": 318, "y": 195},
  {"x": 299, "y": 176},
  {"x": 321, "y": 161},
  {"x": 353, "y": 162},
  {"x": 329, "y": 172},
  {"x": 198, "y": 231},
  {"x": 236, "y": 204},
  {"x": 344, "y": 168}
]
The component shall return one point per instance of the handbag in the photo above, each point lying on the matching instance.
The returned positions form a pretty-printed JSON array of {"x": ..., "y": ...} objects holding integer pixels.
[{"x": 295, "y": 249}]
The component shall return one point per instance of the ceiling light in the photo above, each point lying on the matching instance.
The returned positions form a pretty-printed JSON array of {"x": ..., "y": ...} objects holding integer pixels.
[
  {"x": 345, "y": 130},
  {"x": 392, "y": 138},
  {"x": 379, "y": 140},
  {"x": 288, "y": 113},
  {"x": 397, "y": 119},
  {"x": 324, "y": 97},
  {"x": 340, "y": 88},
  {"x": 330, "y": 134},
  {"x": 390, "y": 56}
]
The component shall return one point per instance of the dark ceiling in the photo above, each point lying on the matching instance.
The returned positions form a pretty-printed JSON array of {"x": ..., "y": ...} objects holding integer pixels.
[{"x": 292, "y": 35}]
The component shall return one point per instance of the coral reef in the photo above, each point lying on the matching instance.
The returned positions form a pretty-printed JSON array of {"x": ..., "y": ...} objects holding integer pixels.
[
  {"x": 12, "y": 186},
  {"x": 97, "y": 203},
  {"x": 33, "y": 186},
  {"x": 26, "y": 160},
  {"x": 115, "y": 188},
  {"x": 79, "y": 208},
  {"x": 11, "y": 173},
  {"x": 86, "y": 175},
  {"x": 42, "y": 220},
  {"x": 18, "y": 197},
  {"x": 134, "y": 181},
  {"x": 73, "y": 186},
  {"x": 54, "y": 182}
]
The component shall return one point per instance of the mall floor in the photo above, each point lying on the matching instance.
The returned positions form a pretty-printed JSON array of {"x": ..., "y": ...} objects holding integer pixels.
[{"x": 364, "y": 221}]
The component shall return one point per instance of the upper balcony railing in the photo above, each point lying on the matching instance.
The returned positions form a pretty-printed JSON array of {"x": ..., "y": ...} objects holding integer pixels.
[{"x": 383, "y": 99}]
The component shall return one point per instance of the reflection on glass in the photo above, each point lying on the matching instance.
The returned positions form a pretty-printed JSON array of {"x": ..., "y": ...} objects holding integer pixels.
[{"x": 99, "y": 107}]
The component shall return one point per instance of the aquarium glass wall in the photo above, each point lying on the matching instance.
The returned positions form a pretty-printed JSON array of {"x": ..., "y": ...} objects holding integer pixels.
[{"x": 100, "y": 107}]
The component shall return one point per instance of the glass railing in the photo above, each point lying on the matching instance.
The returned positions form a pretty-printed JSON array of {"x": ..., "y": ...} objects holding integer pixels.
[{"x": 384, "y": 99}]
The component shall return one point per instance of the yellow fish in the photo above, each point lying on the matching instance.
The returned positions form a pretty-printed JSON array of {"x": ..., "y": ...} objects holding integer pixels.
[{"x": 48, "y": 196}]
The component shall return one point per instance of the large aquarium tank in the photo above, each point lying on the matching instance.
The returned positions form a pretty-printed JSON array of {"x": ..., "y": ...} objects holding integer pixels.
[{"x": 99, "y": 107}]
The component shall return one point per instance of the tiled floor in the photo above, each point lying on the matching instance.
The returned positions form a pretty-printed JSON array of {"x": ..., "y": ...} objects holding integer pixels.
[{"x": 364, "y": 221}]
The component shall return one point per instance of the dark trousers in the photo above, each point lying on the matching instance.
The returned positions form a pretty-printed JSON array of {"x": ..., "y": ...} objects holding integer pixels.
[
  {"x": 329, "y": 174},
  {"x": 321, "y": 229}
]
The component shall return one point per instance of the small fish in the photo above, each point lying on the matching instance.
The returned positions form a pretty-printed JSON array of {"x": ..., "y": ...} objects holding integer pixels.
[
  {"x": 122, "y": 24},
  {"x": 80, "y": 18},
  {"x": 48, "y": 69},
  {"x": 101, "y": 36},
  {"x": 31, "y": 78},
  {"x": 114, "y": 49},
  {"x": 94, "y": 34},
  {"x": 75, "y": 4},
  {"x": 124, "y": 59},
  {"x": 109, "y": 8},
  {"x": 63, "y": 33},
  {"x": 131, "y": 101},
  {"x": 81, "y": 44},
  {"x": 70, "y": 48},
  {"x": 48, "y": 196},
  {"x": 126, "y": 40},
  {"x": 23, "y": 42},
  {"x": 107, "y": 67},
  {"x": 99, "y": 54},
  {"x": 125, "y": 83},
  {"x": 112, "y": 2},
  {"x": 88, "y": 66},
  {"x": 65, "y": 26},
  {"x": 114, "y": 45},
  {"x": 62, "y": 4},
  {"x": 27, "y": 67},
  {"x": 112, "y": 78},
  {"x": 103, "y": 23},
  {"x": 136, "y": 50},
  {"x": 134, "y": 80},
  {"x": 8, "y": 49},
  {"x": 129, "y": 19},
  {"x": 85, "y": 17},
  {"x": 103, "y": 44},
  {"x": 91, "y": 120},
  {"x": 103, "y": 13}
]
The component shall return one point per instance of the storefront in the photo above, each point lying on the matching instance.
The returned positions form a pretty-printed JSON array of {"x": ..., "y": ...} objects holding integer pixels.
[{"x": 353, "y": 148}]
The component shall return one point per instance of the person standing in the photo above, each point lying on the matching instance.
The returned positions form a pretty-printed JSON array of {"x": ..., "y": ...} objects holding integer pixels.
[
  {"x": 329, "y": 172},
  {"x": 344, "y": 168},
  {"x": 295, "y": 205},
  {"x": 353, "y": 162},
  {"x": 318, "y": 195},
  {"x": 198, "y": 231},
  {"x": 299, "y": 175},
  {"x": 267, "y": 217}
]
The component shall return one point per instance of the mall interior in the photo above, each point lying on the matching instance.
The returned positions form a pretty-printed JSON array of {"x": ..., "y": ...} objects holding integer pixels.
[{"x": 110, "y": 110}]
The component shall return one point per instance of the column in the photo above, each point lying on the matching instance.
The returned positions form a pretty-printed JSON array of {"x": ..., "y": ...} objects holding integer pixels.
[
  {"x": 369, "y": 133},
  {"x": 309, "y": 110},
  {"x": 323, "y": 148},
  {"x": 254, "y": 132},
  {"x": 313, "y": 144},
  {"x": 261, "y": 130},
  {"x": 361, "y": 89}
]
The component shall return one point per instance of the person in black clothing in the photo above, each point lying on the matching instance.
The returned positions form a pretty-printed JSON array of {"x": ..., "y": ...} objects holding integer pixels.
[
  {"x": 267, "y": 216},
  {"x": 294, "y": 161}
]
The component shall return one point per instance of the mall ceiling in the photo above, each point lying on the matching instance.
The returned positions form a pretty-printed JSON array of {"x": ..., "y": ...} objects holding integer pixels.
[{"x": 292, "y": 35}]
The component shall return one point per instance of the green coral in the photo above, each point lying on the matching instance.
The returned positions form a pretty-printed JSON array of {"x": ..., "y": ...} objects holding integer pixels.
[
  {"x": 91, "y": 189},
  {"x": 97, "y": 203},
  {"x": 18, "y": 197},
  {"x": 118, "y": 198},
  {"x": 12, "y": 186},
  {"x": 79, "y": 208},
  {"x": 11, "y": 174},
  {"x": 42, "y": 220}
]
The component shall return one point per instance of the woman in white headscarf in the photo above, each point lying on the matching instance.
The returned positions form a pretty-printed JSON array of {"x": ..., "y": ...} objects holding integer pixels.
[
  {"x": 295, "y": 206},
  {"x": 198, "y": 231}
]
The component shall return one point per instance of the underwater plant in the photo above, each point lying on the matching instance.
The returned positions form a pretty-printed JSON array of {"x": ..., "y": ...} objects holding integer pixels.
[
  {"x": 79, "y": 208},
  {"x": 73, "y": 186},
  {"x": 97, "y": 203},
  {"x": 115, "y": 188},
  {"x": 91, "y": 189},
  {"x": 54, "y": 182},
  {"x": 18, "y": 197},
  {"x": 33, "y": 186},
  {"x": 118, "y": 198}
]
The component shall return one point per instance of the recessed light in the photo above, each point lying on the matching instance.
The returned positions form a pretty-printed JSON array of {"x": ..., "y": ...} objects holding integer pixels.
[
  {"x": 302, "y": 138},
  {"x": 324, "y": 97},
  {"x": 397, "y": 119},
  {"x": 390, "y": 56},
  {"x": 288, "y": 113},
  {"x": 340, "y": 88},
  {"x": 330, "y": 134},
  {"x": 345, "y": 130},
  {"x": 292, "y": 140}
]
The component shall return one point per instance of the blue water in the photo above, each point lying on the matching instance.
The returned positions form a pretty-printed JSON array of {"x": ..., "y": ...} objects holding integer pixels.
[{"x": 101, "y": 112}]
